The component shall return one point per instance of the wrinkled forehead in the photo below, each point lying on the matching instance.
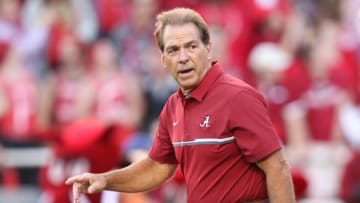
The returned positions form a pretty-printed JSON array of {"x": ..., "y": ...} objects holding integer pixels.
[{"x": 180, "y": 34}]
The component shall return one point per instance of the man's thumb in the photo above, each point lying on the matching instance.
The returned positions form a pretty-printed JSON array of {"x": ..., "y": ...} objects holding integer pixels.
[{"x": 95, "y": 187}]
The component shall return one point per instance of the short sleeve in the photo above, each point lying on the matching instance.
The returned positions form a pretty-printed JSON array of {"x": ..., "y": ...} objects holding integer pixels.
[
  {"x": 162, "y": 149},
  {"x": 250, "y": 123}
]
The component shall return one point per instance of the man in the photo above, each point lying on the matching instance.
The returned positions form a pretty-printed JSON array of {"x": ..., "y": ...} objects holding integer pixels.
[{"x": 215, "y": 128}]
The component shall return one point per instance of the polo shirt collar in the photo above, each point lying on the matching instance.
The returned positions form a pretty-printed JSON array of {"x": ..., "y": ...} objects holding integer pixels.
[{"x": 204, "y": 86}]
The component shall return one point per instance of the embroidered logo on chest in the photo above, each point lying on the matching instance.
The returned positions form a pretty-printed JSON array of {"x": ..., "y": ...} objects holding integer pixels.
[
  {"x": 206, "y": 122},
  {"x": 175, "y": 123}
]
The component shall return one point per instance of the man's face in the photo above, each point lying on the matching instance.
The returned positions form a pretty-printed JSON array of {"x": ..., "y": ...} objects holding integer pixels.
[{"x": 185, "y": 55}]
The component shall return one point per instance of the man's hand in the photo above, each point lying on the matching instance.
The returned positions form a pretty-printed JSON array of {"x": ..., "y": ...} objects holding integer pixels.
[
  {"x": 86, "y": 183},
  {"x": 140, "y": 176}
]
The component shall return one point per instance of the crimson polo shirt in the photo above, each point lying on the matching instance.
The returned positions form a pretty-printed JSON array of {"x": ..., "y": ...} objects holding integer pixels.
[{"x": 216, "y": 135}]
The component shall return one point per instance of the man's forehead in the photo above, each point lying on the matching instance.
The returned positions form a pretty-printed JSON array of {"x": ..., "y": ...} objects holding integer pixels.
[{"x": 174, "y": 34}]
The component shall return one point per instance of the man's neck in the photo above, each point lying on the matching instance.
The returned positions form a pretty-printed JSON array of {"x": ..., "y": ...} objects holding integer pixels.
[{"x": 186, "y": 93}]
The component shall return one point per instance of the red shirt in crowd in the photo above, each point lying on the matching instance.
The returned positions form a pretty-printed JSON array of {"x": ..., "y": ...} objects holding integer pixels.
[
  {"x": 216, "y": 134},
  {"x": 111, "y": 98},
  {"x": 19, "y": 122}
]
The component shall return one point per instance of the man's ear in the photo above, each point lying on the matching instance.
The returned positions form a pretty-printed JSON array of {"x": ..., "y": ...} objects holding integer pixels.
[
  {"x": 209, "y": 49},
  {"x": 162, "y": 58}
]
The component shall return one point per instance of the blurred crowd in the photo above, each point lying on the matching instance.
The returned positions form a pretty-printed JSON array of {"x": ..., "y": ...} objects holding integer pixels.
[{"x": 83, "y": 78}]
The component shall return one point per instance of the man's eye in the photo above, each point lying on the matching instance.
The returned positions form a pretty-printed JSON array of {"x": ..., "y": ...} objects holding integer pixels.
[
  {"x": 170, "y": 51},
  {"x": 193, "y": 46}
]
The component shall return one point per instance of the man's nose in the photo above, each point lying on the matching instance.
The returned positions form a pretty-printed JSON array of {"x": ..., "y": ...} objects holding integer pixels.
[{"x": 183, "y": 56}]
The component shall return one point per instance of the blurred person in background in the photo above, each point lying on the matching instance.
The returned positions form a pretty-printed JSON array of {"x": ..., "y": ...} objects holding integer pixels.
[
  {"x": 21, "y": 122},
  {"x": 269, "y": 62},
  {"x": 185, "y": 45},
  {"x": 314, "y": 138},
  {"x": 71, "y": 18},
  {"x": 68, "y": 98},
  {"x": 22, "y": 64},
  {"x": 31, "y": 38},
  {"x": 118, "y": 96},
  {"x": 68, "y": 87},
  {"x": 134, "y": 35}
]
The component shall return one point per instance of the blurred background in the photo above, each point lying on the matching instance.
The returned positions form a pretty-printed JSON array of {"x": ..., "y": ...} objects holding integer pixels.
[{"x": 81, "y": 86}]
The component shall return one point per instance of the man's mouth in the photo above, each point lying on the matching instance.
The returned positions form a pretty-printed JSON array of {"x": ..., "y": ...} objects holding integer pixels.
[{"x": 185, "y": 71}]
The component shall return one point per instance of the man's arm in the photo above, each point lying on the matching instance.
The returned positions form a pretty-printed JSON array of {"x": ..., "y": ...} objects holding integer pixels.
[
  {"x": 138, "y": 177},
  {"x": 141, "y": 176},
  {"x": 278, "y": 178}
]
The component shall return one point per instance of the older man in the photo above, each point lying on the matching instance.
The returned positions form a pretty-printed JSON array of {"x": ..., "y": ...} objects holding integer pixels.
[{"x": 215, "y": 127}]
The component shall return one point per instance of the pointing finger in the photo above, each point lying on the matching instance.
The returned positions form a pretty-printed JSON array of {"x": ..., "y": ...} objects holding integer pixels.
[{"x": 76, "y": 193}]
